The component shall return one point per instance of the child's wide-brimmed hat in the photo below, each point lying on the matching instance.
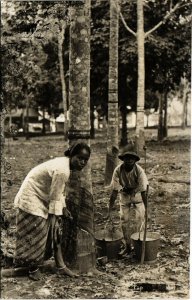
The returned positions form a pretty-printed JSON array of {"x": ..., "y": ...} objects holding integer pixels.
[{"x": 128, "y": 152}]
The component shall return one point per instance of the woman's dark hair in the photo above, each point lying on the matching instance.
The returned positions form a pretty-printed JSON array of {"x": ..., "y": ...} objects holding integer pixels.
[{"x": 76, "y": 148}]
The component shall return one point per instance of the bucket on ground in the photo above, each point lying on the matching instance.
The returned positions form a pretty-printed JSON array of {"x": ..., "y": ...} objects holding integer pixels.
[
  {"x": 152, "y": 243},
  {"x": 108, "y": 243}
]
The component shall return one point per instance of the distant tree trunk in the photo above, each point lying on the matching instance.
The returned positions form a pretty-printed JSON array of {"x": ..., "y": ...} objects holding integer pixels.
[
  {"x": 27, "y": 120},
  {"x": 112, "y": 129},
  {"x": 147, "y": 113},
  {"x": 147, "y": 121},
  {"x": 78, "y": 244},
  {"x": 140, "y": 140},
  {"x": 23, "y": 119},
  {"x": 124, "y": 140},
  {"x": 185, "y": 86},
  {"x": 43, "y": 122},
  {"x": 160, "y": 127},
  {"x": 165, "y": 104},
  {"x": 61, "y": 38},
  {"x": 92, "y": 118},
  {"x": 184, "y": 114}
]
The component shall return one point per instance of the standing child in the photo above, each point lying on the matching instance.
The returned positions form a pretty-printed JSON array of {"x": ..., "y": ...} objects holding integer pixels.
[
  {"x": 130, "y": 181},
  {"x": 40, "y": 202}
]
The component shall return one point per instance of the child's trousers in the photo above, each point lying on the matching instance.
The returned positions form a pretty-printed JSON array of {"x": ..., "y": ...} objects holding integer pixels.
[{"x": 125, "y": 206}]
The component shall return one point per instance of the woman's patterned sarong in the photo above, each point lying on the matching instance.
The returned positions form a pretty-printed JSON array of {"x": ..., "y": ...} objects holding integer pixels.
[{"x": 34, "y": 239}]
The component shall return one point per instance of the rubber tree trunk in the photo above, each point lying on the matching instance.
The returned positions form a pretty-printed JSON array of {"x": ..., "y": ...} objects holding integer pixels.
[
  {"x": 23, "y": 119},
  {"x": 165, "y": 126},
  {"x": 124, "y": 140},
  {"x": 140, "y": 139},
  {"x": 184, "y": 114},
  {"x": 61, "y": 38},
  {"x": 147, "y": 113},
  {"x": 92, "y": 118},
  {"x": 185, "y": 86},
  {"x": 78, "y": 245},
  {"x": 27, "y": 120},
  {"x": 112, "y": 129},
  {"x": 10, "y": 118},
  {"x": 44, "y": 129},
  {"x": 160, "y": 127}
]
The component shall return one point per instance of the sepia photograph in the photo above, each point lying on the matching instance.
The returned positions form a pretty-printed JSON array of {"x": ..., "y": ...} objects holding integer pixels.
[{"x": 95, "y": 149}]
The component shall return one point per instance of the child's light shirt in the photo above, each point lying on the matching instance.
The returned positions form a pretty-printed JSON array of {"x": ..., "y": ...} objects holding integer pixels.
[
  {"x": 43, "y": 190},
  {"x": 136, "y": 179}
]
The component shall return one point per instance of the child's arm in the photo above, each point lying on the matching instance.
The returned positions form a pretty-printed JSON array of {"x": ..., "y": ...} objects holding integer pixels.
[
  {"x": 142, "y": 184},
  {"x": 144, "y": 195}
]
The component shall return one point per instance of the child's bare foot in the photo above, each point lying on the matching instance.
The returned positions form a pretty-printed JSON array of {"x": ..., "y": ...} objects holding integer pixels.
[
  {"x": 66, "y": 271},
  {"x": 35, "y": 275}
]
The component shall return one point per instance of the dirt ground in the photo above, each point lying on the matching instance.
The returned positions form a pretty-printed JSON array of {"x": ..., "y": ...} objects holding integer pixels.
[{"x": 169, "y": 215}]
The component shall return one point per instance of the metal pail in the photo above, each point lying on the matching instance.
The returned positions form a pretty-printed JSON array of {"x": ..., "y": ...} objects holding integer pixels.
[
  {"x": 108, "y": 244},
  {"x": 151, "y": 245}
]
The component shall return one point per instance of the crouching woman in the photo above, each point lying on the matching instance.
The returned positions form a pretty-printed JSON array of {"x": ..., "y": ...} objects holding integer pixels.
[{"x": 40, "y": 203}]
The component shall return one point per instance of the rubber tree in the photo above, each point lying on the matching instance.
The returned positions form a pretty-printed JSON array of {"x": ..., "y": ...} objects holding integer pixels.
[
  {"x": 160, "y": 127},
  {"x": 185, "y": 90},
  {"x": 61, "y": 37},
  {"x": 54, "y": 25},
  {"x": 165, "y": 124},
  {"x": 78, "y": 246},
  {"x": 141, "y": 37},
  {"x": 112, "y": 128},
  {"x": 140, "y": 140},
  {"x": 124, "y": 112}
]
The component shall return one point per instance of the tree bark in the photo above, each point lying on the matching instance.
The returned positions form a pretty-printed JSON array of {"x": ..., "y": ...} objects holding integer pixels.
[
  {"x": 43, "y": 122},
  {"x": 27, "y": 120},
  {"x": 184, "y": 113},
  {"x": 23, "y": 119},
  {"x": 124, "y": 140},
  {"x": 80, "y": 200},
  {"x": 160, "y": 127},
  {"x": 112, "y": 129},
  {"x": 92, "y": 118},
  {"x": 140, "y": 141},
  {"x": 61, "y": 38},
  {"x": 165, "y": 127}
]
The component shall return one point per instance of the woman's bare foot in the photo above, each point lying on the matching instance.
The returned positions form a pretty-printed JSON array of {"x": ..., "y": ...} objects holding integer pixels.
[
  {"x": 35, "y": 275},
  {"x": 94, "y": 272},
  {"x": 66, "y": 271}
]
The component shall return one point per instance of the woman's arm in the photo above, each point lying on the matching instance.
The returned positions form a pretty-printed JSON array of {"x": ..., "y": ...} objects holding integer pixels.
[{"x": 56, "y": 197}]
